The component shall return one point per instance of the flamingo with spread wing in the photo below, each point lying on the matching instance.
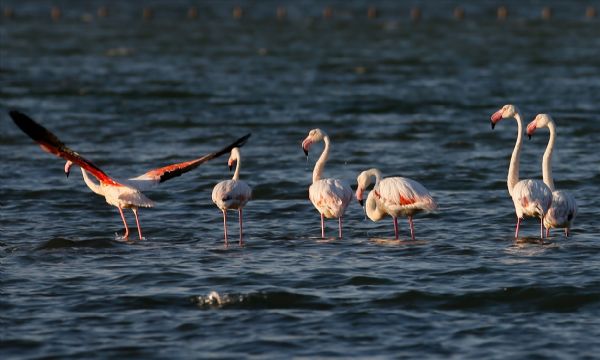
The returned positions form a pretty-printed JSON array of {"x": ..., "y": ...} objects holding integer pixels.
[{"x": 121, "y": 194}]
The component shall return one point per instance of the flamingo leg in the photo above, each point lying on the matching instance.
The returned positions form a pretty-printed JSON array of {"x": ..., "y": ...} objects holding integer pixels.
[
  {"x": 340, "y": 227},
  {"x": 241, "y": 226},
  {"x": 547, "y": 232},
  {"x": 567, "y": 232},
  {"x": 225, "y": 224},
  {"x": 322, "y": 226},
  {"x": 396, "y": 228},
  {"x": 412, "y": 228},
  {"x": 137, "y": 222},
  {"x": 124, "y": 223},
  {"x": 517, "y": 228},
  {"x": 542, "y": 227}
]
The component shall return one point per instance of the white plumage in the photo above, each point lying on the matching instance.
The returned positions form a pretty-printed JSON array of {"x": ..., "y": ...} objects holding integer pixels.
[
  {"x": 232, "y": 194},
  {"x": 330, "y": 197}
]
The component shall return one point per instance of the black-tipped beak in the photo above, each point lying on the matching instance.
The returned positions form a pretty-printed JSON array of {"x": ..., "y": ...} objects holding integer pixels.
[
  {"x": 230, "y": 167},
  {"x": 305, "y": 152},
  {"x": 529, "y": 136},
  {"x": 493, "y": 125},
  {"x": 67, "y": 174},
  {"x": 361, "y": 202}
]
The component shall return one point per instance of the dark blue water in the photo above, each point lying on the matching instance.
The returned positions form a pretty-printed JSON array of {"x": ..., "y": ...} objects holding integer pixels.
[{"x": 412, "y": 99}]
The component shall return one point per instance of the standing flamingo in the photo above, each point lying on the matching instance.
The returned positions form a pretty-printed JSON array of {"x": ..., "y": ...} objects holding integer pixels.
[
  {"x": 232, "y": 194},
  {"x": 564, "y": 208},
  {"x": 331, "y": 197},
  {"x": 531, "y": 197},
  {"x": 394, "y": 196},
  {"x": 122, "y": 194}
]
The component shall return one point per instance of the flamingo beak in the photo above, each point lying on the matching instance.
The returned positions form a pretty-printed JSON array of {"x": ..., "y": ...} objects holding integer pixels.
[
  {"x": 359, "y": 197},
  {"x": 68, "y": 165},
  {"x": 305, "y": 146},
  {"x": 497, "y": 116},
  {"x": 531, "y": 128}
]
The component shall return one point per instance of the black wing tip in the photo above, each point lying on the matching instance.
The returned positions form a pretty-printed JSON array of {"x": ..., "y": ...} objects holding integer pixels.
[{"x": 242, "y": 141}]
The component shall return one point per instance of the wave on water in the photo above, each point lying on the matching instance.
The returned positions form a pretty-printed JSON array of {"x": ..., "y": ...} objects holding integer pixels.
[{"x": 277, "y": 299}]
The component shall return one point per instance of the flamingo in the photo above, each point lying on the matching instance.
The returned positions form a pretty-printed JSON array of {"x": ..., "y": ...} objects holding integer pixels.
[
  {"x": 232, "y": 194},
  {"x": 564, "y": 208},
  {"x": 330, "y": 197},
  {"x": 122, "y": 194},
  {"x": 531, "y": 197},
  {"x": 394, "y": 196}
]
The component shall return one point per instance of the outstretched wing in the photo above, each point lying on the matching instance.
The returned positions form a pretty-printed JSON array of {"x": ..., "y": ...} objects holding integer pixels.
[
  {"x": 157, "y": 176},
  {"x": 50, "y": 143}
]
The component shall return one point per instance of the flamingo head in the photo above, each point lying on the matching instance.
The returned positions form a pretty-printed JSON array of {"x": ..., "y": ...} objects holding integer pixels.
[
  {"x": 540, "y": 121},
  {"x": 68, "y": 165},
  {"x": 506, "y": 111},
  {"x": 363, "y": 180},
  {"x": 315, "y": 135},
  {"x": 233, "y": 158}
]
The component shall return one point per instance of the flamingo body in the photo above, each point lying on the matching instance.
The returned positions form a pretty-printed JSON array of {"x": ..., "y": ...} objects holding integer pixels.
[
  {"x": 401, "y": 196},
  {"x": 330, "y": 197},
  {"x": 532, "y": 198}
]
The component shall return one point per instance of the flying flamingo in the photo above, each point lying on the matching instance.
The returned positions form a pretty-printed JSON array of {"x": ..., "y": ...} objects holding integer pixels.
[
  {"x": 564, "y": 208},
  {"x": 232, "y": 194},
  {"x": 122, "y": 194},
  {"x": 531, "y": 197},
  {"x": 331, "y": 197},
  {"x": 394, "y": 196}
]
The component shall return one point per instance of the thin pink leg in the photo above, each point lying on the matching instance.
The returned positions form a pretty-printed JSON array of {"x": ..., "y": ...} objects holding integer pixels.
[
  {"x": 547, "y": 232},
  {"x": 412, "y": 228},
  {"x": 340, "y": 227},
  {"x": 124, "y": 223},
  {"x": 137, "y": 222},
  {"x": 542, "y": 227},
  {"x": 517, "y": 229},
  {"x": 567, "y": 233},
  {"x": 322, "y": 227},
  {"x": 241, "y": 226},
  {"x": 225, "y": 224},
  {"x": 396, "y": 228}
]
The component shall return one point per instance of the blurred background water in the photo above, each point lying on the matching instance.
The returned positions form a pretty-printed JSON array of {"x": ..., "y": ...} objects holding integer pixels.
[{"x": 412, "y": 98}]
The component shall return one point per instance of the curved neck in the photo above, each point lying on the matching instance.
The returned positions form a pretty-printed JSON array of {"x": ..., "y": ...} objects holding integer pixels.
[
  {"x": 236, "y": 175},
  {"x": 547, "y": 160},
  {"x": 320, "y": 165},
  {"x": 90, "y": 183},
  {"x": 373, "y": 173},
  {"x": 513, "y": 169},
  {"x": 373, "y": 212}
]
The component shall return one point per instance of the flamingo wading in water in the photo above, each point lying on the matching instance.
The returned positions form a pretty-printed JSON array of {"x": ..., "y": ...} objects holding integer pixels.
[
  {"x": 232, "y": 194},
  {"x": 531, "y": 197},
  {"x": 330, "y": 197},
  {"x": 564, "y": 208},
  {"x": 394, "y": 196},
  {"x": 122, "y": 194}
]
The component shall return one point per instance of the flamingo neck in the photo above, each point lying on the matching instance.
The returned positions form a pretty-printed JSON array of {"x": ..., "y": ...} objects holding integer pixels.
[
  {"x": 236, "y": 174},
  {"x": 320, "y": 165},
  {"x": 97, "y": 188},
  {"x": 547, "y": 160},
  {"x": 513, "y": 169},
  {"x": 373, "y": 212}
]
